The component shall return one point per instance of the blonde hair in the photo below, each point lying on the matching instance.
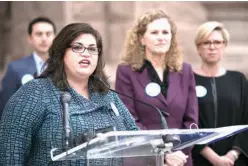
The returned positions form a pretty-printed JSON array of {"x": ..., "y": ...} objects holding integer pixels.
[
  {"x": 205, "y": 29},
  {"x": 134, "y": 52}
]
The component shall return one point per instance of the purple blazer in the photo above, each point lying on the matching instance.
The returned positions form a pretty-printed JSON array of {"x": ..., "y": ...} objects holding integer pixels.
[{"x": 181, "y": 101}]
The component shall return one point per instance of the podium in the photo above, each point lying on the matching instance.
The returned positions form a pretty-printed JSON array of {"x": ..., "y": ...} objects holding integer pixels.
[{"x": 122, "y": 144}]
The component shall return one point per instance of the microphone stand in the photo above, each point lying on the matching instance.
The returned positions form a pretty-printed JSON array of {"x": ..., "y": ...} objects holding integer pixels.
[{"x": 65, "y": 99}]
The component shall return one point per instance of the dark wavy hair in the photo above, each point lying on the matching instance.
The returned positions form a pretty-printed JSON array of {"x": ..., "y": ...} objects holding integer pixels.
[{"x": 55, "y": 64}]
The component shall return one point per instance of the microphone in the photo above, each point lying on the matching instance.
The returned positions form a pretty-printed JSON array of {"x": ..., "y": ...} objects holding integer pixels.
[
  {"x": 65, "y": 98},
  {"x": 162, "y": 119}
]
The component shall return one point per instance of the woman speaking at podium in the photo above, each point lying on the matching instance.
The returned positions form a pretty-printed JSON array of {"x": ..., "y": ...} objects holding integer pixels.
[{"x": 31, "y": 124}]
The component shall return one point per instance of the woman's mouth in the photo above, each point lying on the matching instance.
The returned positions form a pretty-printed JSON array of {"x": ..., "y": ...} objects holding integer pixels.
[{"x": 84, "y": 63}]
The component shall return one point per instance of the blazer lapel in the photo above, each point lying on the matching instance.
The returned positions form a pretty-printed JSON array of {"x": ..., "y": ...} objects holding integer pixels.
[
  {"x": 144, "y": 81},
  {"x": 31, "y": 63},
  {"x": 174, "y": 86}
]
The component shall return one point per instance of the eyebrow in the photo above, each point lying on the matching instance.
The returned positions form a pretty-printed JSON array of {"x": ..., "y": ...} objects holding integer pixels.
[
  {"x": 83, "y": 44},
  {"x": 44, "y": 31},
  {"x": 213, "y": 41}
]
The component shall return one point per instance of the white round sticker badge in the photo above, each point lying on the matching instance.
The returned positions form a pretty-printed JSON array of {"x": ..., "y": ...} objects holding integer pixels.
[
  {"x": 152, "y": 89},
  {"x": 26, "y": 78},
  {"x": 201, "y": 91}
]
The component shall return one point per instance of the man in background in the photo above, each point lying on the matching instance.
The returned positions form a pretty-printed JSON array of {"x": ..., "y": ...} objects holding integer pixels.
[{"x": 41, "y": 32}]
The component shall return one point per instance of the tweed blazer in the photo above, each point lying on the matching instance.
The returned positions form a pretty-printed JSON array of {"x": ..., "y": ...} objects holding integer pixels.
[{"x": 31, "y": 124}]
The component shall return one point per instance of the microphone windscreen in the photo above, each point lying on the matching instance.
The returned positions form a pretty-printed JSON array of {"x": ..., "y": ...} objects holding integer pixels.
[{"x": 65, "y": 97}]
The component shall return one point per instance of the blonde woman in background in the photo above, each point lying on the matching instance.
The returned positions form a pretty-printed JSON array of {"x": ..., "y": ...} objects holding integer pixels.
[{"x": 222, "y": 97}]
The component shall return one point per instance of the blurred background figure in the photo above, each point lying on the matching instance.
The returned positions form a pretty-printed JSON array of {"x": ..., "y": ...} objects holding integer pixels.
[
  {"x": 153, "y": 71},
  {"x": 222, "y": 97},
  {"x": 41, "y": 32},
  {"x": 32, "y": 123}
]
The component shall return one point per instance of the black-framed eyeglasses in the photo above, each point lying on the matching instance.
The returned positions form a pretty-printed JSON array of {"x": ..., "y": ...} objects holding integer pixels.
[
  {"x": 77, "y": 48},
  {"x": 216, "y": 44}
]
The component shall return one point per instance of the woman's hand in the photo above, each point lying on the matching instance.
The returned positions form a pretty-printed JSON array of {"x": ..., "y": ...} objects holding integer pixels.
[
  {"x": 177, "y": 158},
  {"x": 223, "y": 161},
  {"x": 233, "y": 155}
]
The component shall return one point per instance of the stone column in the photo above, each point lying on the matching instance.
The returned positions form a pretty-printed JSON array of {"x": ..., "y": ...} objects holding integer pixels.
[
  {"x": 119, "y": 21},
  {"x": 5, "y": 31}
]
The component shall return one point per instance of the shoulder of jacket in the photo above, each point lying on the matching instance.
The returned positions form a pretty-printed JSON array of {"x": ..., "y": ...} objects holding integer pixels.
[
  {"x": 21, "y": 61},
  {"x": 236, "y": 74}
]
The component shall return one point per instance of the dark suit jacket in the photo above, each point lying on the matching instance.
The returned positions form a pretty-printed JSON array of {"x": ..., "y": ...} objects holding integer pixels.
[
  {"x": 12, "y": 79},
  {"x": 181, "y": 101}
]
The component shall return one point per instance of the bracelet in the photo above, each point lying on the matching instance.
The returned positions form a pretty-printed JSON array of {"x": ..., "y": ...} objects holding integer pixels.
[{"x": 234, "y": 154}]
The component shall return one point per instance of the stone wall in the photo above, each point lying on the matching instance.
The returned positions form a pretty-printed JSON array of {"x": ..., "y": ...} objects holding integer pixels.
[{"x": 113, "y": 19}]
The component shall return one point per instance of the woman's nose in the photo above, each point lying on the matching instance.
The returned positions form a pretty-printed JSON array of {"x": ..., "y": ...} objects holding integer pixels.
[{"x": 86, "y": 53}]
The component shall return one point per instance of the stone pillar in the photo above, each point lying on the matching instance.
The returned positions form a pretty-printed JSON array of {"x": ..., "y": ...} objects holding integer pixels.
[
  {"x": 5, "y": 31},
  {"x": 119, "y": 22}
]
